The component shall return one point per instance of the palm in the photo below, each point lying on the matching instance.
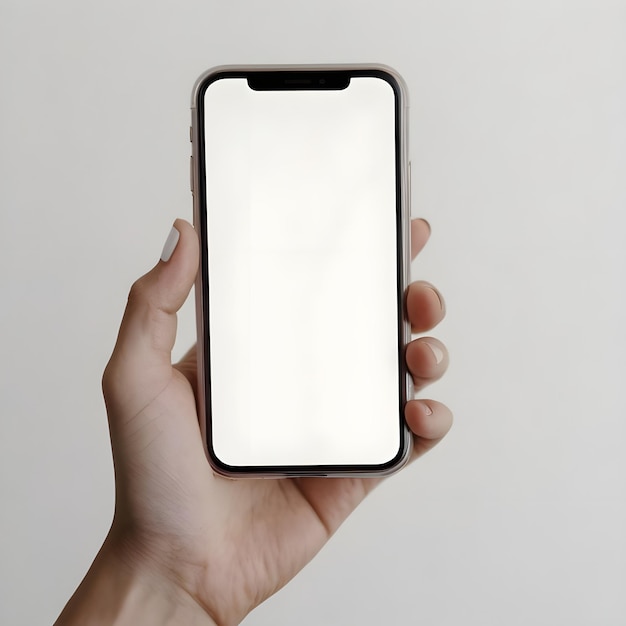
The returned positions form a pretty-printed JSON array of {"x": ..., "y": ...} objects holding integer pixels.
[{"x": 258, "y": 533}]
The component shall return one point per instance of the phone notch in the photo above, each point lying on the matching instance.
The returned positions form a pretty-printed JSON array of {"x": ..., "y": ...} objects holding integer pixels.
[{"x": 298, "y": 80}]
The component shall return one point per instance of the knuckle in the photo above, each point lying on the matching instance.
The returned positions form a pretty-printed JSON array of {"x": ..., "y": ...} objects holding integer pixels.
[{"x": 138, "y": 291}]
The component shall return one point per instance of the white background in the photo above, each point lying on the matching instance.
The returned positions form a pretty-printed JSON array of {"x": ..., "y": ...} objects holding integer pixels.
[{"x": 518, "y": 132}]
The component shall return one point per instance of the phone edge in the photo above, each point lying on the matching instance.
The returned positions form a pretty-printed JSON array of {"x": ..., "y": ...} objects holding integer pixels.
[{"x": 405, "y": 214}]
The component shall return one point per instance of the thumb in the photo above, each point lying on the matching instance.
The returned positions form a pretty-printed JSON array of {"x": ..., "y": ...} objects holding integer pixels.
[{"x": 140, "y": 366}]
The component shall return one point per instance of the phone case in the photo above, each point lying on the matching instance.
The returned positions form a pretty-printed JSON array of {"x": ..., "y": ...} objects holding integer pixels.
[{"x": 201, "y": 312}]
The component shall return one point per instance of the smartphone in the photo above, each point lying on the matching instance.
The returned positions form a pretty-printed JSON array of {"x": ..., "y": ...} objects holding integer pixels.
[{"x": 301, "y": 202}]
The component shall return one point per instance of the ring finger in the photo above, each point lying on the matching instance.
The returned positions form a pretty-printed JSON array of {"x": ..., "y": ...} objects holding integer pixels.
[{"x": 427, "y": 360}]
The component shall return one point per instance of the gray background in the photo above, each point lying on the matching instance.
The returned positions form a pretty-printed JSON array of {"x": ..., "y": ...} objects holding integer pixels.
[{"x": 518, "y": 133}]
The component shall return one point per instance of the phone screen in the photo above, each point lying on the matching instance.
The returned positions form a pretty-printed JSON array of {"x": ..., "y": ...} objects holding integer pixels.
[{"x": 302, "y": 265}]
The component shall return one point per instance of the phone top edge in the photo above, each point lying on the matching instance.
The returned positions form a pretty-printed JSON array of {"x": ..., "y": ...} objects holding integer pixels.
[{"x": 308, "y": 67}]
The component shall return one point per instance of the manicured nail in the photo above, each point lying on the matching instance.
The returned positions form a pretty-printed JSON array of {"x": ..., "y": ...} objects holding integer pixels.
[
  {"x": 435, "y": 349},
  {"x": 441, "y": 302},
  {"x": 170, "y": 245}
]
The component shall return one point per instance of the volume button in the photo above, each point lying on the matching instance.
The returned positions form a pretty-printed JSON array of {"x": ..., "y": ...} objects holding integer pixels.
[{"x": 191, "y": 174}]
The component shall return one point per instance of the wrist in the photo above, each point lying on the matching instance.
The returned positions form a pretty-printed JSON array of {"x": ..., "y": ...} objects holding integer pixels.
[{"x": 114, "y": 592}]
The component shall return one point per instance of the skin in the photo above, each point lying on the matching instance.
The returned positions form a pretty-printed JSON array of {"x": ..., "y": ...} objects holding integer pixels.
[{"x": 187, "y": 546}]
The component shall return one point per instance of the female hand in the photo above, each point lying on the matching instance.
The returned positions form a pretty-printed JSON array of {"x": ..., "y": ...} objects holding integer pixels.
[{"x": 187, "y": 546}]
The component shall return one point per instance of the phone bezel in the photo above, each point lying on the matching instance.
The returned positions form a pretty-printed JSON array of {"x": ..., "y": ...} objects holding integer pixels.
[{"x": 332, "y": 75}]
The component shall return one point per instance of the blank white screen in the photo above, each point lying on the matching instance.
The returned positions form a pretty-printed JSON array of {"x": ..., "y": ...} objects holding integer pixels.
[{"x": 301, "y": 214}]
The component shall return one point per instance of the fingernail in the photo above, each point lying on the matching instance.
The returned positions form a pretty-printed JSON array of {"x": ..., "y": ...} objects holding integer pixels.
[
  {"x": 435, "y": 349},
  {"x": 430, "y": 230},
  {"x": 427, "y": 409},
  {"x": 441, "y": 302},
  {"x": 170, "y": 245}
]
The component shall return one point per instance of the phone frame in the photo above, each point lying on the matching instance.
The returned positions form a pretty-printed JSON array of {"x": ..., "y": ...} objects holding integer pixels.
[{"x": 403, "y": 262}]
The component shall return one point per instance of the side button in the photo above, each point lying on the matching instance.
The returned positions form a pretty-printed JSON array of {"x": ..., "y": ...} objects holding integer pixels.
[{"x": 191, "y": 174}]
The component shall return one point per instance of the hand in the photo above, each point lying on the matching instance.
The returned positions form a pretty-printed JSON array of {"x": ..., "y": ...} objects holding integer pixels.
[{"x": 202, "y": 546}]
